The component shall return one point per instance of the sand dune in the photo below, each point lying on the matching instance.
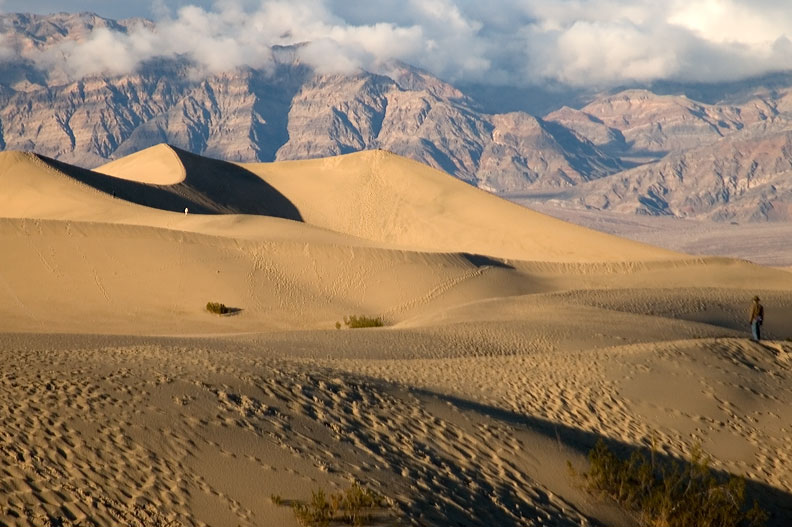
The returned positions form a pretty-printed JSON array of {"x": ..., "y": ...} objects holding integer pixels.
[
  {"x": 158, "y": 165},
  {"x": 514, "y": 342},
  {"x": 147, "y": 280},
  {"x": 40, "y": 188},
  {"x": 375, "y": 195},
  {"x": 167, "y": 178},
  {"x": 380, "y": 196}
]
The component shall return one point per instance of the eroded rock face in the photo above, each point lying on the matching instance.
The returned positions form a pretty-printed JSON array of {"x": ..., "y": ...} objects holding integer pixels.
[
  {"x": 726, "y": 162},
  {"x": 633, "y": 151},
  {"x": 639, "y": 122},
  {"x": 286, "y": 113},
  {"x": 742, "y": 177}
]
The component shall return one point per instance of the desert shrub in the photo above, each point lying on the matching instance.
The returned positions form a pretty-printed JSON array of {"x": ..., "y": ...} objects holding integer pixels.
[
  {"x": 217, "y": 308},
  {"x": 357, "y": 503},
  {"x": 362, "y": 321},
  {"x": 671, "y": 494},
  {"x": 354, "y": 506},
  {"x": 318, "y": 512},
  {"x": 276, "y": 499}
]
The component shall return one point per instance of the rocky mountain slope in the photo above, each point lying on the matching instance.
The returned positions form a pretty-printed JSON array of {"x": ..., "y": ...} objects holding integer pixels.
[
  {"x": 263, "y": 115},
  {"x": 744, "y": 176},
  {"x": 633, "y": 151}
]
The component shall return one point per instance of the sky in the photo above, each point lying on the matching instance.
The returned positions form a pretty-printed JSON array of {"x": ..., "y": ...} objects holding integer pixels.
[{"x": 501, "y": 42}]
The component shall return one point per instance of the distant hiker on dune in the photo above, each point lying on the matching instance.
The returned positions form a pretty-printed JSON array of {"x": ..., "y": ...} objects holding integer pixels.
[{"x": 757, "y": 315}]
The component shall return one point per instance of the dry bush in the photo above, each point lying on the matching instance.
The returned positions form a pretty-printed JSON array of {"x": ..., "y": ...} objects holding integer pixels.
[
  {"x": 354, "y": 506},
  {"x": 318, "y": 512},
  {"x": 362, "y": 321},
  {"x": 217, "y": 308},
  {"x": 671, "y": 494}
]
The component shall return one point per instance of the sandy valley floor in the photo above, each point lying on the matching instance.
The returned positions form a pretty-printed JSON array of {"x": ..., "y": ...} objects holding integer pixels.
[{"x": 513, "y": 343}]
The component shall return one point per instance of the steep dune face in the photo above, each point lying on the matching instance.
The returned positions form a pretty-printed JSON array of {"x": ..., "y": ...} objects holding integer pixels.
[
  {"x": 161, "y": 178},
  {"x": 38, "y": 187},
  {"x": 167, "y": 178}
]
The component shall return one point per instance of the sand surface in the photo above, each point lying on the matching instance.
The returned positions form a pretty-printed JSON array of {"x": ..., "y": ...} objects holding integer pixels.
[{"x": 514, "y": 342}]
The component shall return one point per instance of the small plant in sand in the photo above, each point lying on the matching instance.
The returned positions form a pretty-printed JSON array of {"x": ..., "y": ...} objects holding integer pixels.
[
  {"x": 319, "y": 511},
  {"x": 217, "y": 308},
  {"x": 354, "y": 506},
  {"x": 362, "y": 321},
  {"x": 671, "y": 494},
  {"x": 357, "y": 503}
]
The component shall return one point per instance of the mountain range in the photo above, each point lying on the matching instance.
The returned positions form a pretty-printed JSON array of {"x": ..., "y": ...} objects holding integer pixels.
[{"x": 726, "y": 157}]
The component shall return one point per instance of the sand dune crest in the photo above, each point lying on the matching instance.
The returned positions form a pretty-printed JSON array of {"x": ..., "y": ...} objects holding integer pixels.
[{"x": 158, "y": 165}]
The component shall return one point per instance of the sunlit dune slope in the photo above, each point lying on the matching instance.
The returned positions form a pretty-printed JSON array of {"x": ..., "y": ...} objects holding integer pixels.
[
  {"x": 158, "y": 165},
  {"x": 86, "y": 277},
  {"x": 38, "y": 188},
  {"x": 372, "y": 195},
  {"x": 513, "y": 342},
  {"x": 379, "y": 235},
  {"x": 380, "y": 196},
  {"x": 33, "y": 189},
  {"x": 110, "y": 278}
]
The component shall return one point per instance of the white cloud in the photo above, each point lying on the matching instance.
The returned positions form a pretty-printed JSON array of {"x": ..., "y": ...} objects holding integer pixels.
[
  {"x": 731, "y": 21},
  {"x": 520, "y": 42},
  {"x": 596, "y": 52},
  {"x": 103, "y": 51},
  {"x": 6, "y": 53}
]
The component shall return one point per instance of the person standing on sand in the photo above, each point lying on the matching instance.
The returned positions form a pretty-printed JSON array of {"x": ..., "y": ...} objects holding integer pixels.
[{"x": 757, "y": 315}]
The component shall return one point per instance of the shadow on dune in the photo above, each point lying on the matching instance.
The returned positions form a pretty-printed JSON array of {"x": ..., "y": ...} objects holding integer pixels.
[
  {"x": 776, "y": 502},
  {"x": 480, "y": 260},
  {"x": 210, "y": 187}
]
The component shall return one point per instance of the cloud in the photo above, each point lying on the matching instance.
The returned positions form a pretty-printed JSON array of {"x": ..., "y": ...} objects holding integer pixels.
[{"x": 515, "y": 42}]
